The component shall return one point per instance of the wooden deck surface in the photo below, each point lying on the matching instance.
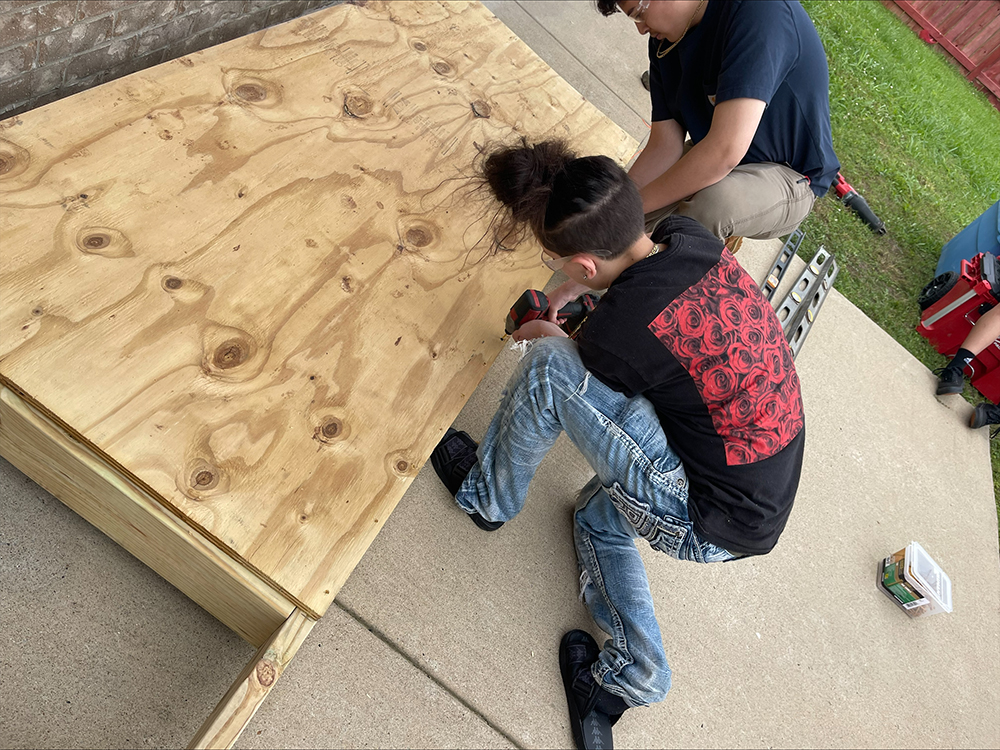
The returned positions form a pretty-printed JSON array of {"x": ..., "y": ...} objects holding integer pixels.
[{"x": 248, "y": 279}]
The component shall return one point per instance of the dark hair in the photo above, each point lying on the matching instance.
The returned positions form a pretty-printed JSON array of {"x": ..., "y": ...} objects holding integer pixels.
[
  {"x": 571, "y": 204},
  {"x": 607, "y": 7}
]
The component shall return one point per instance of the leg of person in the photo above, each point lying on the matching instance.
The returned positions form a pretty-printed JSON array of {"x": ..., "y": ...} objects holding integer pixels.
[
  {"x": 624, "y": 443},
  {"x": 550, "y": 392},
  {"x": 523, "y": 429},
  {"x": 760, "y": 201},
  {"x": 951, "y": 377},
  {"x": 547, "y": 394},
  {"x": 655, "y": 216},
  {"x": 613, "y": 585}
]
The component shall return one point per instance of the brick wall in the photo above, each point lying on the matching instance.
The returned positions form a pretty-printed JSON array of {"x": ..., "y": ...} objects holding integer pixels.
[{"x": 53, "y": 48}]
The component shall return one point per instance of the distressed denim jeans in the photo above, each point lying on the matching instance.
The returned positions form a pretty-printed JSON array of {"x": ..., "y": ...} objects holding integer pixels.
[{"x": 640, "y": 490}]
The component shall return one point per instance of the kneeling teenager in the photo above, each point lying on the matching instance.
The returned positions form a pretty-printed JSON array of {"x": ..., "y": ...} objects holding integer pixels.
[{"x": 679, "y": 390}]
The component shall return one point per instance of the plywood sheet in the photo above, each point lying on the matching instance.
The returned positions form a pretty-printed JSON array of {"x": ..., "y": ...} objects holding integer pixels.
[{"x": 248, "y": 278}]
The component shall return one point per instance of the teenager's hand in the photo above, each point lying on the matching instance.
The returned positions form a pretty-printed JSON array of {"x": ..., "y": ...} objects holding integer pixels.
[
  {"x": 537, "y": 329},
  {"x": 561, "y": 296}
]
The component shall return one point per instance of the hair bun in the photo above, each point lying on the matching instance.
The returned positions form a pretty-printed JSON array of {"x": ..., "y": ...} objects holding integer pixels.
[
  {"x": 521, "y": 176},
  {"x": 570, "y": 204}
]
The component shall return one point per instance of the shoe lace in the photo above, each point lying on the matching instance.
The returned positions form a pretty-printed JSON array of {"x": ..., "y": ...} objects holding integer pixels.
[
  {"x": 941, "y": 371},
  {"x": 460, "y": 456}
]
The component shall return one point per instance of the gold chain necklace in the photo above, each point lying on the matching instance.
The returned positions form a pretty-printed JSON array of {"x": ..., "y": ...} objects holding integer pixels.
[
  {"x": 661, "y": 54},
  {"x": 656, "y": 248}
]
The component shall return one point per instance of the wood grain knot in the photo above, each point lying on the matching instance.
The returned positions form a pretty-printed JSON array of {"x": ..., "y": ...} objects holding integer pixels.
[
  {"x": 441, "y": 68},
  {"x": 204, "y": 478},
  {"x": 251, "y": 92},
  {"x": 357, "y": 105},
  {"x": 96, "y": 241},
  {"x": 103, "y": 241},
  {"x": 331, "y": 428},
  {"x": 37, "y": 312},
  {"x": 230, "y": 354},
  {"x": 481, "y": 108},
  {"x": 13, "y": 159},
  {"x": 419, "y": 237},
  {"x": 420, "y": 46},
  {"x": 201, "y": 480},
  {"x": 400, "y": 464},
  {"x": 266, "y": 673},
  {"x": 172, "y": 283}
]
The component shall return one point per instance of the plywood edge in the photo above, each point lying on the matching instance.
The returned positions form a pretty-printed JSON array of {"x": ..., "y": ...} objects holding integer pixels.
[
  {"x": 224, "y": 726},
  {"x": 104, "y": 463},
  {"x": 81, "y": 480}
]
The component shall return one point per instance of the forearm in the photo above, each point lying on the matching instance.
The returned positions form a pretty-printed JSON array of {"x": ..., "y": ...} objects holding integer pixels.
[
  {"x": 653, "y": 161},
  {"x": 700, "y": 167},
  {"x": 734, "y": 124},
  {"x": 664, "y": 147}
]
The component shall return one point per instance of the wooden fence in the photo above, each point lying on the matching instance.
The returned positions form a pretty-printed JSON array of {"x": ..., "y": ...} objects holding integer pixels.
[{"x": 968, "y": 32}]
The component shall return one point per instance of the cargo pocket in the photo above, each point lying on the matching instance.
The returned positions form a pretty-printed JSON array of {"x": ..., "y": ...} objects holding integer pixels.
[{"x": 666, "y": 535}]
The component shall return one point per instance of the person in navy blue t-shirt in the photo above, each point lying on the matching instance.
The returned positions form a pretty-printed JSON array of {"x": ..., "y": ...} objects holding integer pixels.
[{"x": 749, "y": 82}]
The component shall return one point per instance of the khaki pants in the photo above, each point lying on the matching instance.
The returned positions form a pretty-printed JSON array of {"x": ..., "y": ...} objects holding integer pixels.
[{"x": 759, "y": 201}]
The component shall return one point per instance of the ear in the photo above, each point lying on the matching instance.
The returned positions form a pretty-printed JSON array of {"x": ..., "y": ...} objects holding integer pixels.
[{"x": 587, "y": 263}]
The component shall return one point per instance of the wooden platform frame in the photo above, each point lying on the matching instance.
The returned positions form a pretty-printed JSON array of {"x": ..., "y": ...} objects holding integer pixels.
[{"x": 161, "y": 371}]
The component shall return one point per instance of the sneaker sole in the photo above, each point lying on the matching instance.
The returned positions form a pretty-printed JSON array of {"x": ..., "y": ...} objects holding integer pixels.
[{"x": 949, "y": 390}]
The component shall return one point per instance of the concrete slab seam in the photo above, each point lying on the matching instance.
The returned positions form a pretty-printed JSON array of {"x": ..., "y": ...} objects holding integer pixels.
[{"x": 423, "y": 670}]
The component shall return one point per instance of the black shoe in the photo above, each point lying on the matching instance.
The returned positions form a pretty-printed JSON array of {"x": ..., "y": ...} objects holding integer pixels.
[
  {"x": 453, "y": 459},
  {"x": 983, "y": 415},
  {"x": 592, "y": 709},
  {"x": 950, "y": 380}
]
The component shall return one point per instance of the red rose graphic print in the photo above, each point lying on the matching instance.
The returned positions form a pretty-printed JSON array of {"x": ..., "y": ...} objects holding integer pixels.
[{"x": 724, "y": 333}]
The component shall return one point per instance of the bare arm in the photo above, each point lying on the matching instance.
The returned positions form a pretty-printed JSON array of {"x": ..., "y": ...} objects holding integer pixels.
[
  {"x": 733, "y": 127},
  {"x": 663, "y": 149}
]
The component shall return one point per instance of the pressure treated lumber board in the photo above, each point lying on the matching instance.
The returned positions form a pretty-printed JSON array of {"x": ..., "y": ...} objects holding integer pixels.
[
  {"x": 247, "y": 281},
  {"x": 225, "y": 724}
]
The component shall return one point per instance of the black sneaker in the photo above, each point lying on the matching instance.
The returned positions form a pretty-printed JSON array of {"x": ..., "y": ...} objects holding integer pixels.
[
  {"x": 983, "y": 415},
  {"x": 950, "y": 380},
  {"x": 453, "y": 459},
  {"x": 592, "y": 709}
]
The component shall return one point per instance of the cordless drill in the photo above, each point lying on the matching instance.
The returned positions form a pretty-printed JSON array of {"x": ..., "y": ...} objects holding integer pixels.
[
  {"x": 850, "y": 198},
  {"x": 533, "y": 304}
]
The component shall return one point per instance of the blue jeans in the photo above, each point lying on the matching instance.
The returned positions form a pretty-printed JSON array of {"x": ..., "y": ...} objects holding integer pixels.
[{"x": 640, "y": 491}]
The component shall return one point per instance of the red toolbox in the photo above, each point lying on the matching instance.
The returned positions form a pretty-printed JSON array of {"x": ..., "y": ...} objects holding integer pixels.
[{"x": 947, "y": 321}]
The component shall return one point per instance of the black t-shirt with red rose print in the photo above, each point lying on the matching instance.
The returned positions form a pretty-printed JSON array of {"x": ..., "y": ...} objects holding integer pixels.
[{"x": 688, "y": 329}]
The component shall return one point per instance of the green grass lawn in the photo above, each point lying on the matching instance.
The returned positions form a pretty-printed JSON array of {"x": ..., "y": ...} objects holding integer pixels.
[{"x": 921, "y": 145}]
